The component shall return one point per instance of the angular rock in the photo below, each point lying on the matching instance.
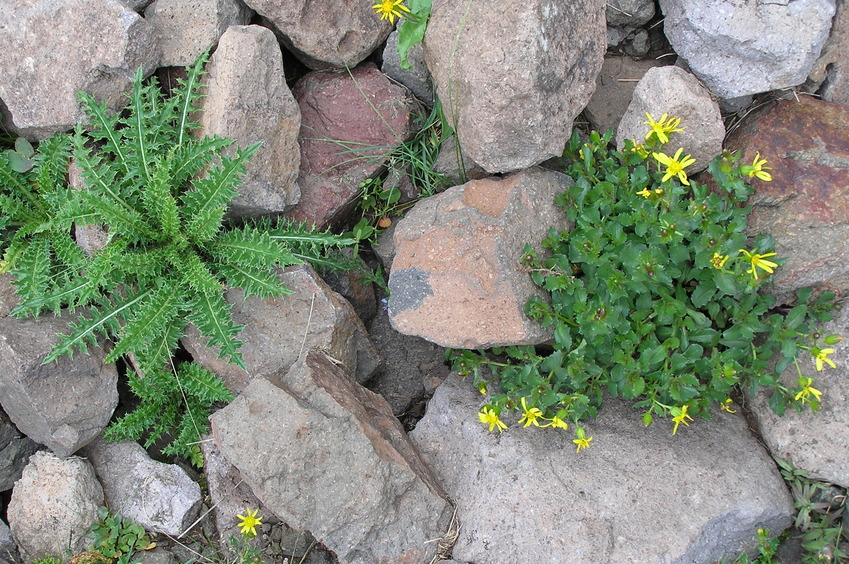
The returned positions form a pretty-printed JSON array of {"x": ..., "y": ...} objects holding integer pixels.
[
  {"x": 349, "y": 125},
  {"x": 9, "y": 300},
  {"x": 632, "y": 13},
  {"x": 672, "y": 90},
  {"x": 321, "y": 35},
  {"x": 160, "y": 497},
  {"x": 512, "y": 80},
  {"x": 457, "y": 278},
  {"x": 614, "y": 90},
  {"x": 813, "y": 441},
  {"x": 831, "y": 71},
  {"x": 334, "y": 462},
  {"x": 247, "y": 100},
  {"x": 452, "y": 158},
  {"x": 8, "y": 549},
  {"x": 636, "y": 495},
  {"x": 49, "y": 56},
  {"x": 806, "y": 206},
  {"x": 63, "y": 405},
  {"x": 187, "y": 29},
  {"x": 417, "y": 79},
  {"x": 279, "y": 330},
  {"x": 740, "y": 48},
  {"x": 53, "y": 506},
  {"x": 15, "y": 450}
]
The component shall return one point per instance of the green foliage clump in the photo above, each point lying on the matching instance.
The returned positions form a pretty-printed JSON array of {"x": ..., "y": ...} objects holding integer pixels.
[
  {"x": 412, "y": 29},
  {"x": 653, "y": 296},
  {"x": 117, "y": 538}
]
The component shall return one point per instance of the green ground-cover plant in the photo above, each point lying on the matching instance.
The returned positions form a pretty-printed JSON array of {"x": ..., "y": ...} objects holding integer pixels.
[
  {"x": 117, "y": 538},
  {"x": 161, "y": 194},
  {"x": 654, "y": 297}
]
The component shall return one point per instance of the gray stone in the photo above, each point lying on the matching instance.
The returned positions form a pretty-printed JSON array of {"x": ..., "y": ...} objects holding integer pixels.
[
  {"x": 327, "y": 456},
  {"x": 740, "y": 48},
  {"x": 53, "y": 506},
  {"x": 674, "y": 91},
  {"x": 8, "y": 548},
  {"x": 279, "y": 330},
  {"x": 156, "y": 556},
  {"x": 9, "y": 300},
  {"x": 452, "y": 158},
  {"x": 247, "y": 100},
  {"x": 49, "y": 55},
  {"x": 188, "y": 28},
  {"x": 614, "y": 90},
  {"x": 635, "y": 495},
  {"x": 513, "y": 80},
  {"x": 63, "y": 405},
  {"x": 632, "y": 13},
  {"x": 831, "y": 71},
  {"x": 15, "y": 451},
  {"x": 417, "y": 79},
  {"x": 160, "y": 497},
  {"x": 322, "y": 36},
  {"x": 457, "y": 278}
]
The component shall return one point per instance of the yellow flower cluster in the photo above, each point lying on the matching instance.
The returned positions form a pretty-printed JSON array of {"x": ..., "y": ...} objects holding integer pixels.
[
  {"x": 391, "y": 9},
  {"x": 532, "y": 416}
]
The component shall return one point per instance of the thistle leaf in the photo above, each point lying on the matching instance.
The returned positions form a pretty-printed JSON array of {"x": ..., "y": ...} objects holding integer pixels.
[
  {"x": 211, "y": 315},
  {"x": 148, "y": 319}
]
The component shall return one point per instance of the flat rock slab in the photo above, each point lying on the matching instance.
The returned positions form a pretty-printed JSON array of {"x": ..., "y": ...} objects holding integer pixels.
[
  {"x": 457, "y": 277},
  {"x": 636, "y": 495},
  {"x": 327, "y": 456}
]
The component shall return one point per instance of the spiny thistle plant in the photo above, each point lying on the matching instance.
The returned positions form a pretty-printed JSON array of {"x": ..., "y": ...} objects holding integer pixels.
[
  {"x": 654, "y": 297},
  {"x": 160, "y": 193}
]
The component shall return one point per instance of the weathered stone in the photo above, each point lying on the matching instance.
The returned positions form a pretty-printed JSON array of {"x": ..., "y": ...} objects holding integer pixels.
[
  {"x": 349, "y": 125},
  {"x": 9, "y": 300},
  {"x": 8, "y": 549},
  {"x": 635, "y": 495},
  {"x": 279, "y": 330},
  {"x": 247, "y": 100},
  {"x": 739, "y": 48},
  {"x": 352, "y": 285},
  {"x": 15, "y": 451},
  {"x": 417, "y": 79},
  {"x": 632, "y": 13},
  {"x": 457, "y": 277},
  {"x": 672, "y": 90},
  {"x": 160, "y": 497},
  {"x": 806, "y": 206},
  {"x": 614, "y": 90},
  {"x": 63, "y": 405},
  {"x": 815, "y": 442},
  {"x": 512, "y": 80},
  {"x": 187, "y": 29},
  {"x": 53, "y": 506},
  {"x": 334, "y": 461},
  {"x": 49, "y": 55},
  {"x": 456, "y": 165},
  {"x": 343, "y": 40},
  {"x": 831, "y": 71}
]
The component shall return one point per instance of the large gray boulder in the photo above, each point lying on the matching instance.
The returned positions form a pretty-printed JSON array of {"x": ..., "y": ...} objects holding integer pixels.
[
  {"x": 247, "y": 100},
  {"x": 326, "y": 455},
  {"x": 512, "y": 79},
  {"x": 636, "y": 494},
  {"x": 740, "y": 48},
  {"x": 52, "y": 49}
]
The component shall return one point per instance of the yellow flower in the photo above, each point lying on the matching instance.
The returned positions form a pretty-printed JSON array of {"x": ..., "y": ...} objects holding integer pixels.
[
  {"x": 821, "y": 355},
  {"x": 680, "y": 418},
  {"x": 582, "y": 441},
  {"x": 726, "y": 406},
  {"x": 391, "y": 9},
  {"x": 530, "y": 416},
  {"x": 675, "y": 165},
  {"x": 557, "y": 423},
  {"x": 807, "y": 391},
  {"x": 758, "y": 169},
  {"x": 488, "y": 416},
  {"x": 662, "y": 128},
  {"x": 645, "y": 193},
  {"x": 640, "y": 149},
  {"x": 718, "y": 261},
  {"x": 757, "y": 261},
  {"x": 249, "y": 522}
]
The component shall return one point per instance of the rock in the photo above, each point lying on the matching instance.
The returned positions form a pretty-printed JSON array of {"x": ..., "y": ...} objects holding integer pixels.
[
  {"x": 632, "y": 13},
  {"x": 8, "y": 548},
  {"x": 636, "y": 495},
  {"x": 354, "y": 286},
  {"x": 740, "y": 48},
  {"x": 53, "y": 506},
  {"x": 417, "y": 79},
  {"x": 63, "y": 405},
  {"x": 343, "y": 139},
  {"x": 49, "y": 56},
  {"x": 614, "y": 90},
  {"x": 451, "y": 158},
  {"x": 160, "y": 497},
  {"x": 187, "y": 29},
  {"x": 15, "y": 451},
  {"x": 334, "y": 462},
  {"x": 321, "y": 39},
  {"x": 831, "y": 71},
  {"x": 457, "y": 279},
  {"x": 674, "y": 91},
  {"x": 806, "y": 206},
  {"x": 278, "y": 330},
  {"x": 815, "y": 442},
  {"x": 247, "y": 100},
  {"x": 9, "y": 300},
  {"x": 157, "y": 555},
  {"x": 512, "y": 80}
]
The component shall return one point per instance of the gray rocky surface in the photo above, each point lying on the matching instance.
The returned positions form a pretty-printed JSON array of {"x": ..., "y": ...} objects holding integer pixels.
[
  {"x": 417, "y": 79},
  {"x": 614, "y": 90},
  {"x": 831, "y": 71},
  {"x": 15, "y": 450}
]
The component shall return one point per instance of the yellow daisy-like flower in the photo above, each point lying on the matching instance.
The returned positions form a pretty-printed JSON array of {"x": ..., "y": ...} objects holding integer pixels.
[
  {"x": 249, "y": 522},
  {"x": 488, "y": 416},
  {"x": 718, "y": 261},
  {"x": 675, "y": 165},
  {"x": 726, "y": 406},
  {"x": 821, "y": 356},
  {"x": 530, "y": 416},
  {"x": 757, "y": 261},
  {"x": 391, "y": 9},
  {"x": 662, "y": 128},
  {"x": 680, "y": 418},
  {"x": 807, "y": 391},
  {"x": 582, "y": 441},
  {"x": 557, "y": 423},
  {"x": 758, "y": 169}
]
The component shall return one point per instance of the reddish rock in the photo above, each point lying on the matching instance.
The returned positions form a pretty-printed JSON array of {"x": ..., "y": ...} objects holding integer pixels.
[
  {"x": 342, "y": 116},
  {"x": 806, "y": 206}
]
